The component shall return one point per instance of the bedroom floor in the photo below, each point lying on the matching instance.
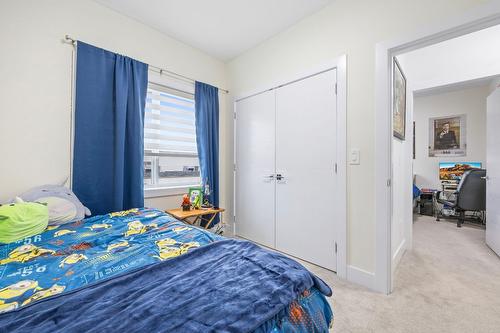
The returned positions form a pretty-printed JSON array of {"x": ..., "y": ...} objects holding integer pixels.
[{"x": 447, "y": 283}]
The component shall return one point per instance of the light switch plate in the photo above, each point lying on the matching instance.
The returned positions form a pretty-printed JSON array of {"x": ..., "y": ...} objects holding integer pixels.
[{"x": 354, "y": 157}]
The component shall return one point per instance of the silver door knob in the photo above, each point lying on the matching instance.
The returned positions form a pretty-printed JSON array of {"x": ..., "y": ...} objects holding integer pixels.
[
  {"x": 280, "y": 179},
  {"x": 268, "y": 178}
]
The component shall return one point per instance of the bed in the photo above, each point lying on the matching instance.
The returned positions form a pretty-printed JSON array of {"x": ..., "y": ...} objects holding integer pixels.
[{"x": 143, "y": 270}]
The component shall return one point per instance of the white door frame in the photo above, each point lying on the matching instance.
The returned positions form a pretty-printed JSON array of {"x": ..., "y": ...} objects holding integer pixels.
[
  {"x": 482, "y": 17},
  {"x": 340, "y": 64}
]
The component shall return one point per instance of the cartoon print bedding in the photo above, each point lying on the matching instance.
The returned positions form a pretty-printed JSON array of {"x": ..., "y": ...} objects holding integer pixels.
[{"x": 74, "y": 256}]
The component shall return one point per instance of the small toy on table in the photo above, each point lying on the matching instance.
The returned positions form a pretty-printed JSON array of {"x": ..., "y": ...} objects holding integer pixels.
[
  {"x": 206, "y": 203},
  {"x": 186, "y": 203}
]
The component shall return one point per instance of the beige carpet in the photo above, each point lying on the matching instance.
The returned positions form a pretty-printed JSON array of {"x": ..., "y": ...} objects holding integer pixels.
[{"x": 449, "y": 282}]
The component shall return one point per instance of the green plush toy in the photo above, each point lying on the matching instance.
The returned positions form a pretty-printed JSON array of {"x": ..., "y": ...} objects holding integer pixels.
[{"x": 23, "y": 219}]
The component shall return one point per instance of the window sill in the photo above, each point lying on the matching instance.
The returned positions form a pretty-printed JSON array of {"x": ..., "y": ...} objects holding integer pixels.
[{"x": 166, "y": 191}]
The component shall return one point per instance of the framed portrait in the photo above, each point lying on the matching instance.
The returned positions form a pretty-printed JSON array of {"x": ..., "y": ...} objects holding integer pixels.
[
  {"x": 447, "y": 136},
  {"x": 398, "y": 102},
  {"x": 195, "y": 196}
]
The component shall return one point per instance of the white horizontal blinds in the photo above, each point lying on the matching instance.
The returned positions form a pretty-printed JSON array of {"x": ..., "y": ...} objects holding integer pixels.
[
  {"x": 169, "y": 122},
  {"x": 171, "y": 155}
]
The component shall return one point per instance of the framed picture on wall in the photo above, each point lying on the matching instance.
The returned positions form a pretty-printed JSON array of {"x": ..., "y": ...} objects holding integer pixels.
[
  {"x": 398, "y": 101},
  {"x": 447, "y": 136}
]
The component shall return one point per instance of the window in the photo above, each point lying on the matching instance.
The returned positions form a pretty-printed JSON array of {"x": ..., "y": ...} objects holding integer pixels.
[{"x": 170, "y": 151}]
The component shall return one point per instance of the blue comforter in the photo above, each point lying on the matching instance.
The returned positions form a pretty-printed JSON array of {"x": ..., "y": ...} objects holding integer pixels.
[
  {"x": 228, "y": 286},
  {"x": 111, "y": 273}
]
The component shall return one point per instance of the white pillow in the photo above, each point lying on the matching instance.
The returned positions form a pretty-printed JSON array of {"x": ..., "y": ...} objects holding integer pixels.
[{"x": 64, "y": 206}]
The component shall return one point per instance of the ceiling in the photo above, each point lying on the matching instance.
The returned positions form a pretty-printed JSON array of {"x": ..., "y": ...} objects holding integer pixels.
[
  {"x": 221, "y": 28},
  {"x": 468, "y": 60}
]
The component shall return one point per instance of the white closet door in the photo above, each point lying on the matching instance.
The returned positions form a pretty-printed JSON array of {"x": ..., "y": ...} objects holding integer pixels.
[
  {"x": 305, "y": 157},
  {"x": 255, "y": 168}
]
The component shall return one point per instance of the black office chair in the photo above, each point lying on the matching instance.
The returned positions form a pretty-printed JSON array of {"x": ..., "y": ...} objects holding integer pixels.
[{"x": 470, "y": 195}]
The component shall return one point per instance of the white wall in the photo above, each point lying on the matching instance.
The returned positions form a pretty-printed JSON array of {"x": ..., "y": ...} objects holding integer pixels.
[
  {"x": 469, "y": 57},
  {"x": 35, "y": 83},
  {"x": 495, "y": 83},
  {"x": 469, "y": 101},
  {"x": 352, "y": 28}
]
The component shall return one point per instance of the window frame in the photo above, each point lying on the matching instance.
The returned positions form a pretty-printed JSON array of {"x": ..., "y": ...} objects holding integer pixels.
[{"x": 162, "y": 191}]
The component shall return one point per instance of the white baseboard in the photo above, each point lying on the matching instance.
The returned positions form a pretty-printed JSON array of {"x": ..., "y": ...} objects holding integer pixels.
[
  {"x": 361, "y": 277},
  {"x": 229, "y": 229},
  {"x": 367, "y": 279},
  {"x": 396, "y": 258}
]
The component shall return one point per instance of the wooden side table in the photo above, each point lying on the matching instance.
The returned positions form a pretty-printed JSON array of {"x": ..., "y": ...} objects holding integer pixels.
[{"x": 194, "y": 216}]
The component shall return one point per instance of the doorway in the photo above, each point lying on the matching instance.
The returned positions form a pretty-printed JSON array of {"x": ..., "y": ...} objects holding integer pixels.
[{"x": 385, "y": 52}]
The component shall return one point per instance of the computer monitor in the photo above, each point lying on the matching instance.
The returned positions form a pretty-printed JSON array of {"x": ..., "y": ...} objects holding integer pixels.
[{"x": 453, "y": 171}]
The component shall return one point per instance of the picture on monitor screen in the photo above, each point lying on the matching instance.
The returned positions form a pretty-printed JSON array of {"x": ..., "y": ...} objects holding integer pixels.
[{"x": 455, "y": 170}]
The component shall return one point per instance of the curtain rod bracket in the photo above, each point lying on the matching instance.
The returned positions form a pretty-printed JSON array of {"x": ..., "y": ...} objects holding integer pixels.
[{"x": 68, "y": 39}]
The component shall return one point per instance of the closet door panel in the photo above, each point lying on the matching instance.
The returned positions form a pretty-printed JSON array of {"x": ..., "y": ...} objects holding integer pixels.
[
  {"x": 305, "y": 157},
  {"x": 255, "y": 168}
]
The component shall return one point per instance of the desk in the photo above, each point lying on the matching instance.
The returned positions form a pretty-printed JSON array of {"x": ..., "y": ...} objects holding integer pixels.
[{"x": 196, "y": 215}]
